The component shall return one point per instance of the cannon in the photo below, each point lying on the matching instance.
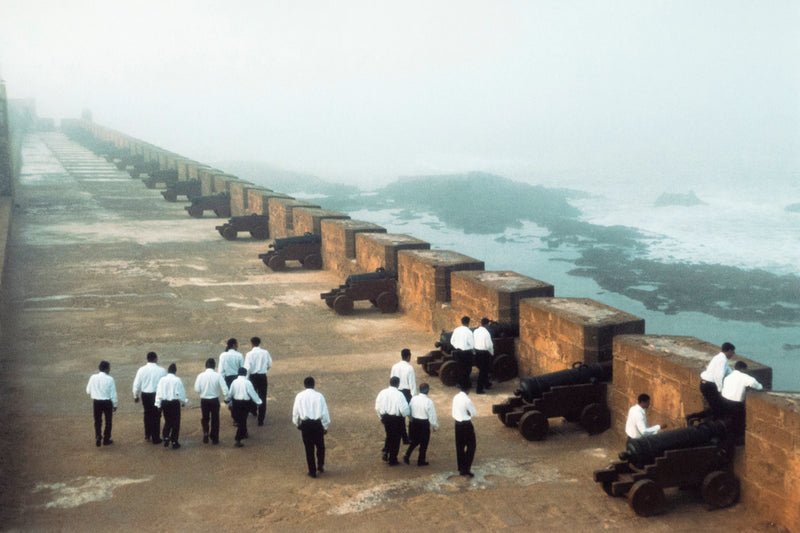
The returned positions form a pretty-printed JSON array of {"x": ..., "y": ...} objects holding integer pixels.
[
  {"x": 220, "y": 204},
  {"x": 305, "y": 248},
  {"x": 165, "y": 176},
  {"x": 188, "y": 188},
  {"x": 379, "y": 287},
  {"x": 441, "y": 362},
  {"x": 131, "y": 159},
  {"x": 257, "y": 225},
  {"x": 143, "y": 167},
  {"x": 577, "y": 394},
  {"x": 697, "y": 456}
]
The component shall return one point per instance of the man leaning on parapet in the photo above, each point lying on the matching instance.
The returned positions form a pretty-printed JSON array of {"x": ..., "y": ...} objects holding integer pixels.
[{"x": 711, "y": 380}]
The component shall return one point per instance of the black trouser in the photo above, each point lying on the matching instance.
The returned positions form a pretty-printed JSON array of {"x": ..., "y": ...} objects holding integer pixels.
[
  {"x": 313, "y": 437},
  {"x": 240, "y": 410},
  {"x": 464, "y": 360},
  {"x": 103, "y": 407},
  {"x": 483, "y": 359},
  {"x": 419, "y": 432},
  {"x": 393, "y": 424},
  {"x": 407, "y": 394},
  {"x": 465, "y": 446},
  {"x": 172, "y": 419},
  {"x": 735, "y": 414},
  {"x": 260, "y": 385},
  {"x": 209, "y": 409},
  {"x": 712, "y": 397},
  {"x": 152, "y": 417}
]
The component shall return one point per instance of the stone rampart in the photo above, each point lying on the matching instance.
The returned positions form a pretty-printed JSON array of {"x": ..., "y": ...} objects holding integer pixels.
[
  {"x": 339, "y": 244},
  {"x": 494, "y": 295},
  {"x": 281, "y": 219},
  {"x": 379, "y": 250},
  {"x": 258, "y": 200},
  {"x": 309, "y": 220}
]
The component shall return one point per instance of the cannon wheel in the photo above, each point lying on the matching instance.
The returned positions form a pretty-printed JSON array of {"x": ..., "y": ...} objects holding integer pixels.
[
  {"x": 433, "y": 355},
  {"x": 329, "y": 302},
  {"x": 343, "y": 305},
  {"x": 595, "y": 418},
  {"x": 170, "y": 195},
  {"x": 646, "y": 497},
  {"x": 448, "y": 373},
  {"x": 533, "y": 425},
  {"x": 276, "y": 263},
  {"x": 504, "y": 367},
  {"x": 386, "y": 302},
  {"x": 260, "y": 234},
  {"x": 720, "y": 489},
  {"x": 312, "y": 262},
  {"x": 195, "y": 211},
  {"x": 230, "y": 233}
]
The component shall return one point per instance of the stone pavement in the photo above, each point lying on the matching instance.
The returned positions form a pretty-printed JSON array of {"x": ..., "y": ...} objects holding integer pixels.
[{"x": 99, "y": 267}]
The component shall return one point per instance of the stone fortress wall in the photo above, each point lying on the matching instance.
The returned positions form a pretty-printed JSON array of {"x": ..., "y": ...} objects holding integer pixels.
[{"x": 437, "y": 287}]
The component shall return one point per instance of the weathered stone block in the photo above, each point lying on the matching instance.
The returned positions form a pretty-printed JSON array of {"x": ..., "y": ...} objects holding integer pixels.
[
  {"x": 280, "y": 215},
  {"x": 339, "y": 243},
  {"x": 379, "y": 250},
  {"x": 309, "y": 219},
  {"x": 494, "y": 294},
  {"x": 258, "y": 200},
  {"x": 222, "y": 183},
  {"x": 206, "y": 176},
  {"x": 240, "y": 191}
]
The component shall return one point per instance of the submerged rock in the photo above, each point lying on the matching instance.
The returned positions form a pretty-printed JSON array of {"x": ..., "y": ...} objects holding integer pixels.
[{"x": 689, "y": 199}]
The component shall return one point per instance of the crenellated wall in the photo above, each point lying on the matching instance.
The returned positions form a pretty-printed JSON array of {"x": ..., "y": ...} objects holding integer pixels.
[{"x": 437, "y": 287}]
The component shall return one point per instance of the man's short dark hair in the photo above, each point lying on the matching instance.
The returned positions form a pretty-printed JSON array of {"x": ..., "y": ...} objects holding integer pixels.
[
  {"x": 308, "y": 382},
  {"x": 255, "y": 341},
  {"x": 242, "y": 371},
  {"x": 484, "y": 321},
  {"x": 740, "y": 365},
  {"x": 210, "y": 363},
  {"x": 232, "y": 343},
  {"x": 728, "y": 347},
  {"x": 643, "y": 398},
  {"x": 172, "y": 368},
  {"x": 405, "y": 353},
  {"x": 394, "y": 381},
  {"x": 424, "y": 388},
  {"x": 104, "y": 366},
  {"x": 465, "y": 321},
  {"x": 151, "y": 357}
]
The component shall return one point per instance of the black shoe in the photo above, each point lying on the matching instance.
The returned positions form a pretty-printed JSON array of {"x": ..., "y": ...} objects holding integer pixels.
[
  {"x": 385, "y": 455},
  {"x": 312, "y": 474},
  {"x": 320, "y": 469},
  {"x": 238, "y": 444},
  {"x": 405, "y": 459},
  {"x": 166, "y": 443},
  {"x": 480, "y": 391},
  {"x": 423, "y": 463},
  {"x": 393, "y": 463},
  {"x": 107, "y": 442},
  {"x": 215, "y": 441},
  {"x": 97, "y": 443},
  {"x": 205, "y": 439},
  {"x": 260, "y": 422},
  {"x": 468, "y": 474},
  {"x": 175, "y": 445},
  {"x": 157, "y": 441}
]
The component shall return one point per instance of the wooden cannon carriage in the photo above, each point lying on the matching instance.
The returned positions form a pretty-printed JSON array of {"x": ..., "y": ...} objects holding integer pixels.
[{"x": 379, "y": 287}]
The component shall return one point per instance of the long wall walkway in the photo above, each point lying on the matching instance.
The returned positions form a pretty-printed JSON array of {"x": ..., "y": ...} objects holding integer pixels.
[{"x": 99, "y": 267}]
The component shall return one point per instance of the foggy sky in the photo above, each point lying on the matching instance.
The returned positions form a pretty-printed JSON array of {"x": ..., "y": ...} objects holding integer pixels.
[{"x": 363, "y": 91}]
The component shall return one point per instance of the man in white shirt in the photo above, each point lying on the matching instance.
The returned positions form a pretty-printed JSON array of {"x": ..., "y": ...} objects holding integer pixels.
[
  {"x": 484, "y": 348},
  {"x": 103, "y": 391},
  {"x": 209, "y": 384},
  {"x": 734, "y": 389},
  {"x": 170, "y": 395},
  {"x": 145, "y": 384},
  {"x": 392, "y": 408},
  {"x": 463, "y": 343},
  {"x": 241, "y": 393},
  {"x": 230, "y": 361},
  {"x": 636, "y": 425},
  {"x": 463, "y": 413},
  {"x": 310, "y": 415},
  {"x": 408, "y": 381},
  {"x": 258, "y": 362},
  {"x": 423, "y": 418},
  {"x": 712, "y": 377}
]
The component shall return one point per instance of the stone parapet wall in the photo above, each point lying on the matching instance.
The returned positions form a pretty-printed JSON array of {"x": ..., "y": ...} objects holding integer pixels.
[
  {"x": 557, "y": 332},
  {"x": 309, "y": 220},
  {"x": 771, "y": 476},
  {"x": 258, "y": 200},
  {"x": 281, "y": 217},
  {"x": 206, "y": 177},
  {"x": 339, "y": 244},
  {"x": 667, "y": 367},
  {"x": 222, "y": 183},
  {"x": 379, "y": 250},
  {"x": 493, "y": 294},
  {"x": 240, "y": 196}
]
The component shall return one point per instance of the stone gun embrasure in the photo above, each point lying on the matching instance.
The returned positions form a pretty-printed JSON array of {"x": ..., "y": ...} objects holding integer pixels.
[
  {"x": 257, "y": 225},
  {"x": 441, "y": 362},
  {"x": 379, "y": 287},
  {"x": 305, "y": 248},
  {"x": 577, "y": 394},
  {"x": 698, "y": 456}
]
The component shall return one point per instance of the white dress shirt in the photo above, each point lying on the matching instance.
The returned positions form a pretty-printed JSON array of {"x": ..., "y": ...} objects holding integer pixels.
[
  {"x": 147, "y": 378},
  {"x": 390, "y": 401},
  {"x": 242, "y": 389},
  {"x": 209, "y": 384},
  {"x": 483, "y": 339},
  {"x": 463, "y": 408},
  {"x": 462, "y": 338},
  {"x": 717, "y": 370},
  {"x": 735, "y": 386},
  {"x": 257, "y": 361},
  {"x": 230, "y": 362},
  {"x": 101, "y": 387},
  {"x": 310, "y": 405},
  {"x": 170, "y": 388},
  {"x": 422, "y": 408},
  {"x": 405, "y": 372},
  {"x": 636, "y": 425}
]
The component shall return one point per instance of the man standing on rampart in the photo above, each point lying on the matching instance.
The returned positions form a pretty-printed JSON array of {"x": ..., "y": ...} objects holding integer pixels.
[
  {"x": 144, "y": 385},
  {"x": 484, "y": 348},
  {"x": 392, "y": 408},
  {"x": 209, "y": 384},
  {"x": 103, "y": 391},
  {"x": 258, "y": 362},
  {"x": 463, "y": 343}
]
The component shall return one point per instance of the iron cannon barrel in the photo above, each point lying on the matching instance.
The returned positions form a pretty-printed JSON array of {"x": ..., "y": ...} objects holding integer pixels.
[
  {"x": 644, "y": 450},
  {"x": 308, "y": 238},
  {"x": 534, "y": 387},
  {"x": 380, "y": 273}
]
